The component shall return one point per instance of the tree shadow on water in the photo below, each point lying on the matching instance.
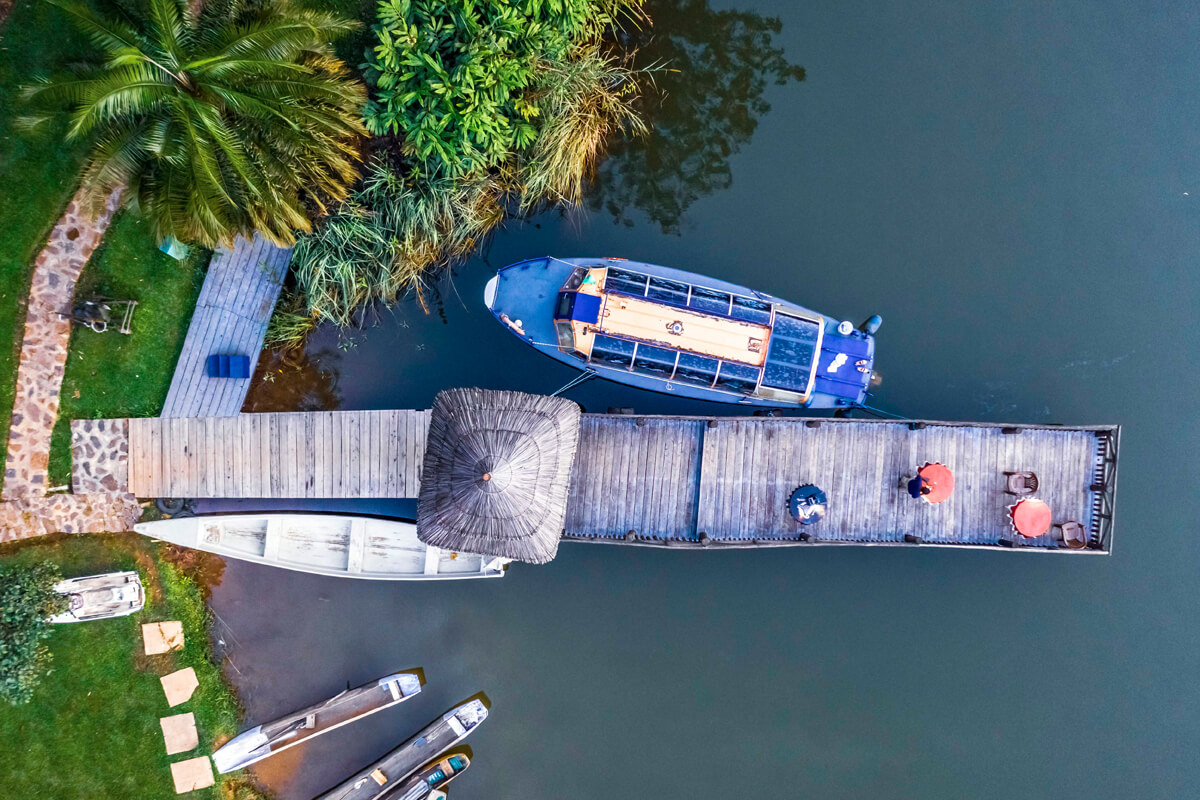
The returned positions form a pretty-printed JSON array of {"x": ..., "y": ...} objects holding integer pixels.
[{"x": 701, "y": 102}]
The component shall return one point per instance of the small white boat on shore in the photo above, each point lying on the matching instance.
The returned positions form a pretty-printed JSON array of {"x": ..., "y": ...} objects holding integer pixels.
[
  {"x": 113, "y": 594},
  {"x": 325, "y": 544}
]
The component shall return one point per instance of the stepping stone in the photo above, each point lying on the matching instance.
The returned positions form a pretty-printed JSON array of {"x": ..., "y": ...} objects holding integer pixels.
[
  {"x": 179, "y": 733},
  {"x": 179, "y": 686},
  {"x": 162, "y": 637},
  {"x": 195, "y": 773}
]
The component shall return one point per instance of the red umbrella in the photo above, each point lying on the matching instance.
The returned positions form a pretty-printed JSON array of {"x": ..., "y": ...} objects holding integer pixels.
[
  {"x": 1030, "y": 517},
  {"x": 941, "y": 481}
]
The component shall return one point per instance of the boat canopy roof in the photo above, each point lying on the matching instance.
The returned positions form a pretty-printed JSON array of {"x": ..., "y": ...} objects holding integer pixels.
[{"x": 792, "y": 341}]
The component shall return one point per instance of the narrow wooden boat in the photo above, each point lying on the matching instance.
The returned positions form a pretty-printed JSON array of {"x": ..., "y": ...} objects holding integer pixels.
[
  {"x": 113, "y": 594},
  {"x": 672, "y": 331},
  {"x": 423, "y": 783},
  {"x": 324, "y": 544},
  {"x": 353, "y": 704},
  {"x": 381, "y": 779}
]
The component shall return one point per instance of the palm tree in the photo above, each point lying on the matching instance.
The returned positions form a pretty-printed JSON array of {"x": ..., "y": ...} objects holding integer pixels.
[{"x": 224, "y": 121}]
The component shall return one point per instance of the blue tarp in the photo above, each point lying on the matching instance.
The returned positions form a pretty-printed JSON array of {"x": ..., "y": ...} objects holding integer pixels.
[{"x": 586, "y": 309}]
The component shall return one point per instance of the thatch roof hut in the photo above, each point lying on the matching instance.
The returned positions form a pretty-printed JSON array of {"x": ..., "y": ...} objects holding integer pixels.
[{"x": 496, "y": 472}]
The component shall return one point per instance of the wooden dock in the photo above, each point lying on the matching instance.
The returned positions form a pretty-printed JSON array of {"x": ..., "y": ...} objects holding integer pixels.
[
  {"x": 325, "y": 454},
  {"x": 725, "y": 481},
  {"x": 661, "y": 481},
  {"x": 231, "y": 318}
]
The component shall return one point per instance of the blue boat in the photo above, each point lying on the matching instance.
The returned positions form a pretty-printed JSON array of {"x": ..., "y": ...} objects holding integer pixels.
[{"x": 672, "y": 331}]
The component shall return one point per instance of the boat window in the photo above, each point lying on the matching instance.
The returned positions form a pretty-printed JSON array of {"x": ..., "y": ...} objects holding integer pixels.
[
  {"x": 672, "y": 292},
  {"x": 566, "y": 300},
  {"x": 751, "y": 310},
  {"x": 791, "y": 352},
  {"x": 612, "y": 352},
  {"x": 456, "y": 763},
  {"x": 436, "y": 777},
  {"x": 566, "y": 336},
  {"x": 737, "y": 378},
  {"x": 710, "y": 301},
  {"x": 625, "y": 282},
  {"x": 656, "y": 361},
  {"x": 576, "y": 279},
  {"x": 696, "y": 370}
]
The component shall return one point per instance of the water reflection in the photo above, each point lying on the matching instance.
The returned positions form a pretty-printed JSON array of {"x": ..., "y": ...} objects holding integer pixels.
[
  {"x": 294, "y": 380},
  {"x": 702, "y": 105}
]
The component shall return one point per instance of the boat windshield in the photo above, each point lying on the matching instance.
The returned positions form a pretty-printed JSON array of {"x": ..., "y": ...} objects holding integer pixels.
[{"x": 790, "y": 357}]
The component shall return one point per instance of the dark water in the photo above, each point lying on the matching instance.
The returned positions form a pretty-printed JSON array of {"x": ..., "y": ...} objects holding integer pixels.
[{"x": 1013, "y": 186}]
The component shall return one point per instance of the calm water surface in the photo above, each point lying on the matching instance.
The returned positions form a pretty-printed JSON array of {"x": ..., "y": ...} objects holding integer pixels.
[{"x": 1014, "y": 187}]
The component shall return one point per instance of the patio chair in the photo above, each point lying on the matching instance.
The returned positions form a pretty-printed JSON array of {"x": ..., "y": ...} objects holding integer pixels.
[
  {"x": 1020, "y": 483},
  {"x": 1074, "y": 535}
]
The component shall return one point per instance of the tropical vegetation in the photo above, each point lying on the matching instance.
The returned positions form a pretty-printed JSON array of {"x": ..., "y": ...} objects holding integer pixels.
[
  {"x": 27, "y": 599},
  {"x": 232, "y": 119},
  {"x": 483, "y": 108},
  {"x": 92, "y": 729}
]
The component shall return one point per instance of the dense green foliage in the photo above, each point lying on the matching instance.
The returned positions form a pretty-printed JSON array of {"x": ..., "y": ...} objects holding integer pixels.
[
  {"x": 457, "y": 81},
  {"x": 223, "y": 122},
  {"x": 497, "y": 106},
  {"x": 92, "y": 730},
  {"x": 112, "y": 375},
  {"x": 27, "y": 599}
]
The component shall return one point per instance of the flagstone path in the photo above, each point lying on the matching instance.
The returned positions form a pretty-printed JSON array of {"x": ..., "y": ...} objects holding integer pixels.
[{"x": 26, "y": 510}]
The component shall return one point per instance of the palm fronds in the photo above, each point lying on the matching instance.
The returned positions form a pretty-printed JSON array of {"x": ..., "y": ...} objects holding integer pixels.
[{"x": 228, "y": 122}]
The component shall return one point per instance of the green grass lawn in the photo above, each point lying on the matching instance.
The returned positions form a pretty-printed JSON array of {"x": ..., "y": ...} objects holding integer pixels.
[
  {"x": 113, "y": 375},
  {"x": 37, "y": 175},
  {"x": 92, "y": 729}
]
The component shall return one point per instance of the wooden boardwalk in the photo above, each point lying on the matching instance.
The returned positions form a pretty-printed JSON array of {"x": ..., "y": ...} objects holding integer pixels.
[
  {"x": 340, "y": 454},
  {"x": 671, "y": 481},
  {"x": 231, "y": 318},
  {"x": 660, "y": 481}
]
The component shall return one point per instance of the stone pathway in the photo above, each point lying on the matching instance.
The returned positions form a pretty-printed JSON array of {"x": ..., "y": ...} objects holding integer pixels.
[{"x": 27, "y": 511}]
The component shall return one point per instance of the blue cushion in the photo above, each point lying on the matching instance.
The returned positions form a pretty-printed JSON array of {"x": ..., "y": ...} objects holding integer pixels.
[{"x": 227, "y": 366}]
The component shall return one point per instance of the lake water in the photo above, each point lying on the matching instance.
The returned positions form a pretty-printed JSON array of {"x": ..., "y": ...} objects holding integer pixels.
[{"x": 1014, "y": 187}]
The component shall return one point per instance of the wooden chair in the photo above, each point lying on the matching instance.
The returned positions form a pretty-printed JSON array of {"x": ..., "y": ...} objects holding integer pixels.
[
  {"x": 1074, "y": 535},
  {"x": 1020, "y": 483}
]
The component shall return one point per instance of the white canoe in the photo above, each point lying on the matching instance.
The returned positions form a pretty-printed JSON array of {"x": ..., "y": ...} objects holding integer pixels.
[{"x": 324, "y": 544}]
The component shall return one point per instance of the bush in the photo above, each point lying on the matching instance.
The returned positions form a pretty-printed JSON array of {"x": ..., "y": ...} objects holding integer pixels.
[
  {"x": 455, "y": 80},
  {"x": 27, "y": 600}
]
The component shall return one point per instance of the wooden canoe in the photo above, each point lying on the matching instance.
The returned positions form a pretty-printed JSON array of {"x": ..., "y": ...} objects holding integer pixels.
[
  {"x": 353, "y": 704},
  {"x": 324, "y": 544}
]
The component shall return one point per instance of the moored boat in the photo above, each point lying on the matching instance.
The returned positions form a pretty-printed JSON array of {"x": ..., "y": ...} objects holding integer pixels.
[
  {"x": 431, "y": 778},
  {"x": 381, "y": 779},
  {"x": 270, "y": 738},
  {"x": 324, "y": 544},
  {"x": 113, "y": 594},
  {"x": 672, "y": 331}
]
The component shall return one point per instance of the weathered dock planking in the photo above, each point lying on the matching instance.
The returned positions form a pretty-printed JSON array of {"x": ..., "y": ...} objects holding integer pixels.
[
  {"x": 335, "y": 454},
  {"x": 678, "y": 481},
  {"x": 231, "y": 318},
  {"x": 667, "y": 481}
]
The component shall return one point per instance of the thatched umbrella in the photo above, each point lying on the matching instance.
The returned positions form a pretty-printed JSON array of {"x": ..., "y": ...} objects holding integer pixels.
[{"x": 496, "y": 472}]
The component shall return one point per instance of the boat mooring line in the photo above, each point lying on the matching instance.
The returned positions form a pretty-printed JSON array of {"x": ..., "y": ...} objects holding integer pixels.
[{"x": 576, "y": 381}]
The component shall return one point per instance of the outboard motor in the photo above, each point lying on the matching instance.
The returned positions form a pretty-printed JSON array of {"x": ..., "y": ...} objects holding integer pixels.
[{"x": 871, "y": 324}]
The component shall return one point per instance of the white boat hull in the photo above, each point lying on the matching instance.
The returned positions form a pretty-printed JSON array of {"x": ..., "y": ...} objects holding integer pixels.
[{"x": 324, "y": 544}]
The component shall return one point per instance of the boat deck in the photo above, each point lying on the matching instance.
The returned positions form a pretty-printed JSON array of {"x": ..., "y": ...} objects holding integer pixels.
[
  {"x": 231, "y": 318},
  {"x": 397, "y": 765},
  {"x": 665, "y": 481},
  {"x": 334, "y": 712},
  {"x": 720, "y": 337}
]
